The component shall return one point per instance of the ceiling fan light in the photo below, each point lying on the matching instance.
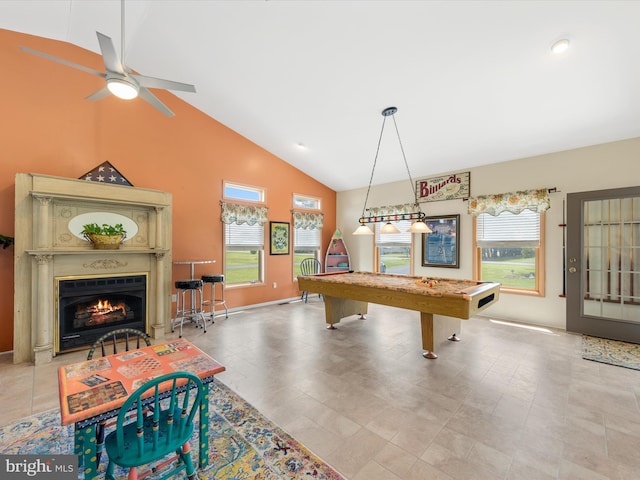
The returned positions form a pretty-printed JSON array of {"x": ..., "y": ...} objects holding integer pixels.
[
  {"x": 363, "y": 230},
  {"x": 389, "y": 228},
  {"x": 122, "y": 88},
  {"x": 419, "y": 227}
]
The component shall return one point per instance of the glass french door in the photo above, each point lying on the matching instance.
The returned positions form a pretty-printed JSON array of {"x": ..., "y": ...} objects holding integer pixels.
[{"x": 603, "y": 263}]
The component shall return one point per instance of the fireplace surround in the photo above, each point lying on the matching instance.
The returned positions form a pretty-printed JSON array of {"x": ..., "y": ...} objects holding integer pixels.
[{"x": 48, "y": 249}]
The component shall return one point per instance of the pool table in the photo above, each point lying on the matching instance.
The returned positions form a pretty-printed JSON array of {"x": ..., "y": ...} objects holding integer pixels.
[{"x": 348, "y": 293}]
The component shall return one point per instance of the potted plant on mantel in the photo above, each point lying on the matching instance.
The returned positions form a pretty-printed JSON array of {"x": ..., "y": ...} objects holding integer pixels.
[{"x": 105, "y": 236}]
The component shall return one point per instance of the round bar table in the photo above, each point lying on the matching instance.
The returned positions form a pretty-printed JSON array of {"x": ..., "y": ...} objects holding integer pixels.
[{"x": 192, "y": 264}]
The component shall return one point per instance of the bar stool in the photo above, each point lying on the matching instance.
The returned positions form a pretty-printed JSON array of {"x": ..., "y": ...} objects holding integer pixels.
[
  {"x": 214, "y": 280},
  {"x": 194, "y": 312}
]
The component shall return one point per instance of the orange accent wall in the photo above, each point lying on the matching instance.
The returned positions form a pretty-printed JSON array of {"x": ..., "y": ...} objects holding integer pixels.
[{"x": 47, "y": 127}]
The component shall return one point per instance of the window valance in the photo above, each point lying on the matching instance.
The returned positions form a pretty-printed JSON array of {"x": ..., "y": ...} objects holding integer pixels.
[
  {"x": 308, "y": 221},
  {"x": 239, "y": 214},
  {"x": 514, "y": 202},
  {"x": 391, "y": 210}
]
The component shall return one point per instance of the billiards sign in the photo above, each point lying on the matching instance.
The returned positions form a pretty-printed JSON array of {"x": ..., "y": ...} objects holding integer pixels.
[{"x": 446, "y": 187}]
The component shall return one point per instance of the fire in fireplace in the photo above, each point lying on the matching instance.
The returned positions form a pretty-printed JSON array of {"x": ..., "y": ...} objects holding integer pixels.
[
  {"x": 101, "y": 312},
  {"x": 88, "y": 307}
]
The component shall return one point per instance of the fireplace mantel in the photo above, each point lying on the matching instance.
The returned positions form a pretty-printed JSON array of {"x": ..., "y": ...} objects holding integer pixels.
[{"x": 46, "y": 248}]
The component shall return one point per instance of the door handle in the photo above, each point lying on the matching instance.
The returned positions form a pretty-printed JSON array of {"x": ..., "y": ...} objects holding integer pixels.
[{"x": 573, "y": 269}]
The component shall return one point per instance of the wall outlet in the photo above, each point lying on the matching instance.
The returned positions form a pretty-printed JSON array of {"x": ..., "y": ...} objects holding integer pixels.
[
  {"x": 174, "y": 297},
  {"x": 275, "y": 285}
]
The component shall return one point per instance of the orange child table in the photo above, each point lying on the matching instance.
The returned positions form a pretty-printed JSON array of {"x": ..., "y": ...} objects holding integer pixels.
[
  {"x": 349, "y": 294},
  {"x": 94, "y": 390}
]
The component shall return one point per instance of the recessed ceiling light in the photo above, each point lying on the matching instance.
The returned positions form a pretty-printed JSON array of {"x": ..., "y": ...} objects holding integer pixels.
[
  {"x": 560, "y": 46},
  {"x": 301, "y": 146}
]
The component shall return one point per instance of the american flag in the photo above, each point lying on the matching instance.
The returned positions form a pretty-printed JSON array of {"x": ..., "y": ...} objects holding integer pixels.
[{"x": 106, "y": 173}]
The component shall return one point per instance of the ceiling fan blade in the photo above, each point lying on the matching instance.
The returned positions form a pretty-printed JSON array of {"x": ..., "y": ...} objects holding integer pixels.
[
  {"x": 65, "y": 62},
  {"x": 152, "y": 100},
  {"x": 152, "y": 82},
  {"x": 109, "y": 55},
  {"x": 103, "y": 92}
]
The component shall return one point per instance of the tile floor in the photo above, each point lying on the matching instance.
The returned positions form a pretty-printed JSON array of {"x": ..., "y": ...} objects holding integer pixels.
[{"x": 505, "y": 403}]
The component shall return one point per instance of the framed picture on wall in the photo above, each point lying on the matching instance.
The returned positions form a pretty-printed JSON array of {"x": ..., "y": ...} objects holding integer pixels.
[
  {"x": 279, "y": 238},
  {"x": 441, "y": 247}
]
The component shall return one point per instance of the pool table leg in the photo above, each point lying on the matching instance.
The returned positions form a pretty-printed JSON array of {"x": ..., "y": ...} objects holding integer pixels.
[
  {"x": 337, "y": 308},
  {"x": 426, "y": 325}
]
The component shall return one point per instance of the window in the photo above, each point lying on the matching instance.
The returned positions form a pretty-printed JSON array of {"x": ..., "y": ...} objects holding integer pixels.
[
  {"x": 244, "y": 253},
  {"x": 509, "y": 250},
  {"x": 307, "y": 230},
  {"x": 306, "y": 243},
  {"x": 236, "y": 191},
  {"x": 394, "y": 251},
  {"x": 302, "y": 202},
  {"x": 243, "y": 235}
]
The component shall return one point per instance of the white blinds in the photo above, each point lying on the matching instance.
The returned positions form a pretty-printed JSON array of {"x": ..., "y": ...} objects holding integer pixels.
[
  {"x": 402, "y": 239},
  {"x": 508, "y": 230},
  {"x": 244, "y": 237},
  {"x": 303, "y": 237}
]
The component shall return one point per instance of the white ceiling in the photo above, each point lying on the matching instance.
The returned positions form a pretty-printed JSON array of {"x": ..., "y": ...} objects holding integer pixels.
[{"x": 474, "y": 81}]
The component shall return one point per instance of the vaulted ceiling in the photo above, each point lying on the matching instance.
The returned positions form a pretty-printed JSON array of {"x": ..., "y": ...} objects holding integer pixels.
[{"x": 474, "y": 82}]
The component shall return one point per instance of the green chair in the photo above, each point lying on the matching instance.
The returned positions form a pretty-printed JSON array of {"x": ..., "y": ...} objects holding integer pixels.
[
  {"x": 126, "y": 335},
  {"x": 148, "y": 438},
  {"x": 131, "y": 339},
  {"x": 309, "y": 266}
]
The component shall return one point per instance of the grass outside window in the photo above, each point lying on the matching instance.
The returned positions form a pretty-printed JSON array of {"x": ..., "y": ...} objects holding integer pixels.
[{"x": 242, "y": 266}]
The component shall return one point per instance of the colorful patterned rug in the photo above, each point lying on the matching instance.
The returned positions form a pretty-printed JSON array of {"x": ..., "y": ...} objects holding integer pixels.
[
  {"x": 243, "y": 443},
  {"x": 613, "y": 352}
]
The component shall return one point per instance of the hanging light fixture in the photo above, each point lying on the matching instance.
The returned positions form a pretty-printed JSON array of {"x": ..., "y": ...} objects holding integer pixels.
[
  {"x": 389, "y": 228},
  {"x": 419, "y": 226}
]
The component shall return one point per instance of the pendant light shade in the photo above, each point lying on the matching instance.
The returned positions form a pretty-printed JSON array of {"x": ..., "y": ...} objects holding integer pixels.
[
  {"x": 419, "y": 227},
  {"x": 389, "y": 228},
  {"x": 363, "y": 230}
]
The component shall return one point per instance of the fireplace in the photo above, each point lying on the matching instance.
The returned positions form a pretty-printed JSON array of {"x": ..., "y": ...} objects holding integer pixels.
[
  {"x": 89, "y": 307},
  {"x": 49, "y": 252}
]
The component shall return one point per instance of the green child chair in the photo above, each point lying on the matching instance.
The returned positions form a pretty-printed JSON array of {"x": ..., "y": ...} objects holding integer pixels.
[
  {"x": 309, "y": 266},
  {"x": 132, "y": 341},
  {"x": 149, "y": 438}
]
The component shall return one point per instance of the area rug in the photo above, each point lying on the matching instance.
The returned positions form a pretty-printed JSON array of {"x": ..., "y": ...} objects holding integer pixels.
[
  {"x": 243, "y": 443},
  {"x": 613, "y": 352}
]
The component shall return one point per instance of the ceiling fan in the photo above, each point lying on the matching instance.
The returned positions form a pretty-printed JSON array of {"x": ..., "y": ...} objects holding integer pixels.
[{"x": 120, "y": 81}]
